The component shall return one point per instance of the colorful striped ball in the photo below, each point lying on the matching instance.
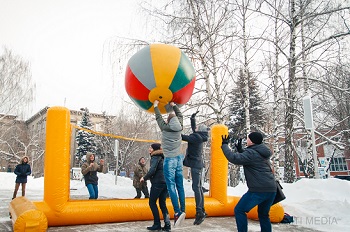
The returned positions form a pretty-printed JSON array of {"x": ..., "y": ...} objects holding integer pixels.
[{"x": 159, "y": 72}]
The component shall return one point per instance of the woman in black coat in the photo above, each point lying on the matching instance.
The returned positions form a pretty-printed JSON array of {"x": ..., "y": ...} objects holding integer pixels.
[
  {"x": 159, "y": 189},
  {"x": 22, "y": 170}
]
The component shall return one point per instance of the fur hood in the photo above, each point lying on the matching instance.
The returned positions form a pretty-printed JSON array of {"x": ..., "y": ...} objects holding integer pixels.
[
  {"x": 88, "y": 154},
  {"x": 157, "y": 152},
  {"x": 22, "y": 160}
]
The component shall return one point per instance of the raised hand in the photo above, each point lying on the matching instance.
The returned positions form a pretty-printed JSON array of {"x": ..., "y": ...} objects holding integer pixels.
[
  {"x": 225, "y": 139},
  {"x": 194, "y": 115},
  {"x": 238, "y": 144}
]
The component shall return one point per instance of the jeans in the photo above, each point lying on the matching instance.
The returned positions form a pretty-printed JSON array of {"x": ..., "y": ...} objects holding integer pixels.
[
  {"x": 172, "y": 169},
  {"x": 93, "y": 191},
  {"x": 196, "y": 174},
  {"x": 158, "y": 191},
  {"x": 248, "y": 201}
]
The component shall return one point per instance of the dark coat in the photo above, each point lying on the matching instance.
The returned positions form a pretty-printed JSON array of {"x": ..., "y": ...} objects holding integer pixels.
[
  {"x": 256, "y": 165},
  {"x": 90, "y": 173},
  {"x": 155, "y": 173},
  {"x": 195, "y": 141},
  {"x": 22, "y": 170}
]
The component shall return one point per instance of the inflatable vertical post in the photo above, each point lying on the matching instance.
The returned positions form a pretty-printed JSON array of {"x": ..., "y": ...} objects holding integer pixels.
[
  {"x": 219, "y": 168},
  {"x": 56, "y": 193}
]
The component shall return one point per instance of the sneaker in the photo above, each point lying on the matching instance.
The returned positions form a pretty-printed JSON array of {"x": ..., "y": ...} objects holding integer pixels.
[
  {"x": 167, "y": 227},
  {"x": 179, "y": 218},
  {"x": 199, "y": 218},
  {"x": 154, "y": 227}
]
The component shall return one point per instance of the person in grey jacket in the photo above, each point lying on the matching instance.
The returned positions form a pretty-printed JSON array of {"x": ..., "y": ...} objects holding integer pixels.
[
  {"x": 194, "y": 160},
  {"x": 260, "y": 180},
  {"x": 173, "y": 166}
]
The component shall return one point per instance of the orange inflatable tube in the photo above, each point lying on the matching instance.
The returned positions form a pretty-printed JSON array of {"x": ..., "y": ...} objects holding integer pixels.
[{"x": 60, "y": 210}]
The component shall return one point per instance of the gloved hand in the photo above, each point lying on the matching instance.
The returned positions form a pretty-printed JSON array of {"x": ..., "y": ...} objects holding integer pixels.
[
  {"x": 238, "y": 144},
  {"x": 155, "y": 104},
  {"x": 194, "y": 115},
  {"x": 225, "y": 139}
]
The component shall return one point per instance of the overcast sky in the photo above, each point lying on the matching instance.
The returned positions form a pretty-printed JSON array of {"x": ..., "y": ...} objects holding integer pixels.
[{"x": 63, "y": 41}]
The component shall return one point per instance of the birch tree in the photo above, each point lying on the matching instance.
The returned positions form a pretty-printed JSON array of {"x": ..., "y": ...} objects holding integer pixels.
[{"x": 297, "y": 15}]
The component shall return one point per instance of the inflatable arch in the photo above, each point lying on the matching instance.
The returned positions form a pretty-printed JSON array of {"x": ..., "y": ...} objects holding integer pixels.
[{"x": 57, "y": 209}]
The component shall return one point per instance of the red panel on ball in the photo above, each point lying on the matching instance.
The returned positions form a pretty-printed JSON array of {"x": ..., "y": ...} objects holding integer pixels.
[
  {"x": 134, "y": 87},
  {"x": 183, "y": 95}
]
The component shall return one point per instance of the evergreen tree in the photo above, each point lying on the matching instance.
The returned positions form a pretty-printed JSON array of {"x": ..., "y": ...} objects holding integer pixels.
[
  {"x": 84, "y": 139},
  {"x": 237, "y": 123}
]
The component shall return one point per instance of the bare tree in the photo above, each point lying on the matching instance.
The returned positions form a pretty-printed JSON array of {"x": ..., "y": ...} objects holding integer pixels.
[
  {"x": 134, "y": 125},
  {"x": 295, "y": 15},
  {"x": 16, "y": 86},
  {"x": 202, "y": 31}
]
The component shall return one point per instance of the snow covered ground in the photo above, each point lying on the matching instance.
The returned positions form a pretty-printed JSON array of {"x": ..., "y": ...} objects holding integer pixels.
[{"x": 317, "y": 205}]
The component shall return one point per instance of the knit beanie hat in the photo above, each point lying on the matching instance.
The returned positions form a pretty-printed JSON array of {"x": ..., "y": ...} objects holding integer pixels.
[
  {"x": 256, "y": 137},
  {"x": 202, "y": 128},
  {"x": 155, "y": 146}
]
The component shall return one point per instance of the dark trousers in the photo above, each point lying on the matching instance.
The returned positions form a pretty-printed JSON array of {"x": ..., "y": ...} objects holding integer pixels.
[
  {"x": 143, "y": 189},
  {"x": 197, "y": 185},
  {"x": 16, "y": 189},
  {"x": 248, "y": 201},
  {"x": 159, "y": 191}
]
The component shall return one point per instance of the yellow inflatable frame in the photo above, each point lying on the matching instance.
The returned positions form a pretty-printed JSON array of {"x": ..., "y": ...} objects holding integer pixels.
[{"x": 59, "y": 210}]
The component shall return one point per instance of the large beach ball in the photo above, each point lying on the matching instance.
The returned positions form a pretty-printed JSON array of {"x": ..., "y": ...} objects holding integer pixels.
[{"x": 159, "y": 72}]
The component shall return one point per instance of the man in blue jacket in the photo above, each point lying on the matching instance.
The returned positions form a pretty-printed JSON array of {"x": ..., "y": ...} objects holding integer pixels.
[{"x": 260, "y": 180}]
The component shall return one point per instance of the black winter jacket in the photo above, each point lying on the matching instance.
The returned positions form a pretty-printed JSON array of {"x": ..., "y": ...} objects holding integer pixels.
[
  {"x": 195, "y": 145},
  {"x": 22, "y": 170},
  {"x": 155, "y": 172},
  {"x": 256, "y": 165}
]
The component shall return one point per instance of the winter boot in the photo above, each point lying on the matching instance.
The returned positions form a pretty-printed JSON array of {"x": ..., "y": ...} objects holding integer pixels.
[
  {"x": 154, "y": 227},
  {"x": 167, "y": 227},
  {"x": 199, "y": 218}
]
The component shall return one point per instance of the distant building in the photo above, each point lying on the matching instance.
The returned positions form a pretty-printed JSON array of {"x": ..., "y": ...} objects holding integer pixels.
[{"x": 35, "y": 135}]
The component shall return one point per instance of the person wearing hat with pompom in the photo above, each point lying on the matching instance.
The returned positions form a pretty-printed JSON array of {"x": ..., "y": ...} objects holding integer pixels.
[
  {"x": 194, "y": 160},
  {"x": 158, "y": 189},
  {"x": 255, "y": 159}
]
